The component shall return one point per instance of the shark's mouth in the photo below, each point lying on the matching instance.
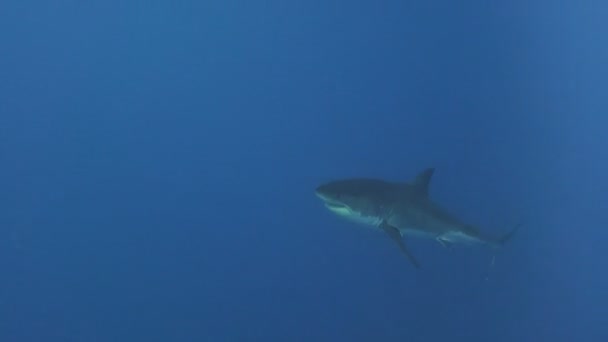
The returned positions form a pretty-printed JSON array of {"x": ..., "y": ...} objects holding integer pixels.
[
  {"x": 338, "y": 208},
  {"x": 344, "y": 210},
  {"x": 335, "y": 206}
]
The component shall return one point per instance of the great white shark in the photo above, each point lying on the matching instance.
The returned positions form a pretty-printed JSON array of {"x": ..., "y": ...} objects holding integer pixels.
[{"x": 402, "y": 209}]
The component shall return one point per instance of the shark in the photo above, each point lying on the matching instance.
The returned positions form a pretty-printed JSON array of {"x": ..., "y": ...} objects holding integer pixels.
[{"x": 402, "y": 210}]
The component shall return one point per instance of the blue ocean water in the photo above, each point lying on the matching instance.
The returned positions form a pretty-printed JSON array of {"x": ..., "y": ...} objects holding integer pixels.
[{"x": 159, "y": 159}]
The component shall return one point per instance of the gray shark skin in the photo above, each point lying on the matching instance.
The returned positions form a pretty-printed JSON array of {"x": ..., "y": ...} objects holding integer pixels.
[{"x": 401, "y": 210}]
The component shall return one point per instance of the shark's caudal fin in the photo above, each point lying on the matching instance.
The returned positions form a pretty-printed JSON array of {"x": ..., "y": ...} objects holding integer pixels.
[
  {"x": 396, "y": 236},
  {"x": 501, "y": 241}
]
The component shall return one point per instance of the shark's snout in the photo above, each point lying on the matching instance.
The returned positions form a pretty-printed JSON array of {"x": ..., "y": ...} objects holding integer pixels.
[
  {"x": 319, "y": 193},
  {"x": 332, "y": 199},
  {"x": 322, "y": 187},
  {"x": 323, "y": 192}
]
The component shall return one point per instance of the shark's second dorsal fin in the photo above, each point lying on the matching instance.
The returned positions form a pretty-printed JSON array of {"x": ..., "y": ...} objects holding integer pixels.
[{"x": 421, "y": 183}]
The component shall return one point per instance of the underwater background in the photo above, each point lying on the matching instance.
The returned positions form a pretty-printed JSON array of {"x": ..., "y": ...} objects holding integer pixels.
[{"x": 158, "y": 162}]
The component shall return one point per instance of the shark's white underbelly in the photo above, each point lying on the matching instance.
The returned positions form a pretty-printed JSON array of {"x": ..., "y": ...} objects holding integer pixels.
[
  {"x": 426, "y": 226},
  {"x": 356, "y": 217},
  {"x": 421, "y": 226},
  {"x": 416, "y": 233},
  {"x": 445, "y": 235}
]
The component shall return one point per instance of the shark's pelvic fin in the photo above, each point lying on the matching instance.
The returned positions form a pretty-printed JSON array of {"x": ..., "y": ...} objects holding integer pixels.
[
  {"x": 396, "y": 236},
  {"x": 445, "y": 243},
  {"x": 422, "y": 181}
]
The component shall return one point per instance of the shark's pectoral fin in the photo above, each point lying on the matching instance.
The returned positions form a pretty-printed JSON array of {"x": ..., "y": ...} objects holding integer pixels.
[{"x": 394, "y": 234}]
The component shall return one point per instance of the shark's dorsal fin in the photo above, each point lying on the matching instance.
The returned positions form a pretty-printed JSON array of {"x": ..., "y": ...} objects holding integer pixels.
[{"x": 421, "y": 183}]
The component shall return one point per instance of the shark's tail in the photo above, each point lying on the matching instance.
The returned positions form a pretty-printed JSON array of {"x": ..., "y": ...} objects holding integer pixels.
[{"x": 501, "y": 241}]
